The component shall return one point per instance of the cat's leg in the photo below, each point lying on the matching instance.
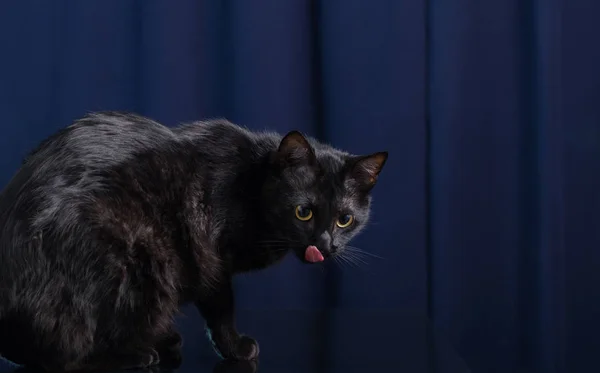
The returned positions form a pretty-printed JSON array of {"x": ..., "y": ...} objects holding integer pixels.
[
  {"x": 45, "y": 337},
  {"x": 121, "y": 358},
  {"x": 142, "y": 349},
  {"x": 145, "y": 341},
  {"x": 169, "y": 348},
  {"x": 218, "y": 311}
]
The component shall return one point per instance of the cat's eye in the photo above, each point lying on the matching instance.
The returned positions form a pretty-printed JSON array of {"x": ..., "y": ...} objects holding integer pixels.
[
  {"x": 345, "y": 221},
  {"x": 303, "y": 213}
]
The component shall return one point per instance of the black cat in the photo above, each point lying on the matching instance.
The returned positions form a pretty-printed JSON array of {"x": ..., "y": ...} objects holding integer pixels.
[{"x": 115, "y": 221}]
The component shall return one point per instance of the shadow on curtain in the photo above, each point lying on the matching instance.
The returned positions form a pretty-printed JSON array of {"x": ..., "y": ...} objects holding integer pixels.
[{"x": 486, "y": 215}]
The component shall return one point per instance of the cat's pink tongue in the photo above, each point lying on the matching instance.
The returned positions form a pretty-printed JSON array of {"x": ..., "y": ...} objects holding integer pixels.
[{"x": 313, "y": 255}]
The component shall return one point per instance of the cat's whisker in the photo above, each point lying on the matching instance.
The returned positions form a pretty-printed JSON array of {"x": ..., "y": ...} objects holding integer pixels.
[
  {"x": 338, "y": 259},
  {"x": 348, "y": 261},
  {"x": 353, "y": 257},
  {"x": 359, "y": 251},
  {"x": 351, "y": 262}
]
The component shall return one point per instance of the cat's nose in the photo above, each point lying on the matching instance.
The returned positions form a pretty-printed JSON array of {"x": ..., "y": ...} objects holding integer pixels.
[{"x": 324, "y": 243}]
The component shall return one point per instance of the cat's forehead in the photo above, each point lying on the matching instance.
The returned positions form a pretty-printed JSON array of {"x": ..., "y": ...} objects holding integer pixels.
[
  {"x": 324, "y": 183},
  {"x": 333, "y": 183},
  {"x": 329, "y": 170},
  {"x": 331, "y": 161}
]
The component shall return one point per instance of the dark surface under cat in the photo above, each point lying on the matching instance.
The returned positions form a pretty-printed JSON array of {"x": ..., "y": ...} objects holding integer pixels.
[{"x": 321, "y": 342}]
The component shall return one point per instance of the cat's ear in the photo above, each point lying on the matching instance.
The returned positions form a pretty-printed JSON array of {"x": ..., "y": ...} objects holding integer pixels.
[
  {"x": 365, "y": 169},
  {"x": 294, "y": 149}
]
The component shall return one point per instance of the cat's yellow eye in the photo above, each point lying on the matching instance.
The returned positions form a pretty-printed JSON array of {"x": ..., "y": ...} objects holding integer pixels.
[
  {"x": 345, "y": 221},
  {"x": 303, "y": 213}
]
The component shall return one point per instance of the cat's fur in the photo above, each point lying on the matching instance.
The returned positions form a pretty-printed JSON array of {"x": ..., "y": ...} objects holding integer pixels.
[{"x": 115, "y": 221}]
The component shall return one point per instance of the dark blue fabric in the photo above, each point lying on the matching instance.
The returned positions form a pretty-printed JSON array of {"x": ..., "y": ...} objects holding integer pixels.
[{"x": 487, "y": 212}]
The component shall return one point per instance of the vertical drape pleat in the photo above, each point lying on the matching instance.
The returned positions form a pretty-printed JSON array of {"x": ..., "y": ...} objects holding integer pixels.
[
  {"x": 373, "y": 64},
  {"x": 27, "y": 50},
  {"x": 477, "y": 118},
  {"x": 550, "y": 272},
  {"x": 579, "y": 92},
  {"x": 173, "y": 50},
  {"x": 94, "y": 65}
]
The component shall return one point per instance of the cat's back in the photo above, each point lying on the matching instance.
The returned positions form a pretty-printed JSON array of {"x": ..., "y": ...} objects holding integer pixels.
[
  {"x": 99, "y": 140},
  {"x": 59, "y": 176}
]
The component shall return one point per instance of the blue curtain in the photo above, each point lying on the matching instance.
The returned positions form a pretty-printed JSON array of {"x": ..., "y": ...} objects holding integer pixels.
[{"x": 487, "y": 214}]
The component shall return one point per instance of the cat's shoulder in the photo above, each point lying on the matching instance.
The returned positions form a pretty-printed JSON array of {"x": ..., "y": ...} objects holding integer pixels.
[
  {"x": 211, "y": 129},
  {"x": 223, "y": 134}
]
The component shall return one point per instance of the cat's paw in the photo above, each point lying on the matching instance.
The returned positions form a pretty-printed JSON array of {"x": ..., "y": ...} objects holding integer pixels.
[
  {"x": 246, "y": 348},
  {"x": 172, "y": 342},
  {"x": 150, "y": 358},
  {"x": 169, "y": 350},
  {"x": 172, "y": 360}
]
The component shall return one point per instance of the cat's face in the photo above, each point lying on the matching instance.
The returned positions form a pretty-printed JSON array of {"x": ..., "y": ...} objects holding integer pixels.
[{"x": 316, "y": 201}]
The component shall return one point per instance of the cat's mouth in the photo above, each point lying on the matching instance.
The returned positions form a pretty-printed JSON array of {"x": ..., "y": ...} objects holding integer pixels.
[{"x": 313, "y": 255}]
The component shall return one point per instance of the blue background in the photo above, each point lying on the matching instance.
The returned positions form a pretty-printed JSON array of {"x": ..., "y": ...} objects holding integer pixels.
[{"x": 487, "y": 213}]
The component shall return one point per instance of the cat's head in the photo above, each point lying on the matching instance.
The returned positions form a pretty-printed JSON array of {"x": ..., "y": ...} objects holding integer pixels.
[{"x": 317, "y": 198}]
